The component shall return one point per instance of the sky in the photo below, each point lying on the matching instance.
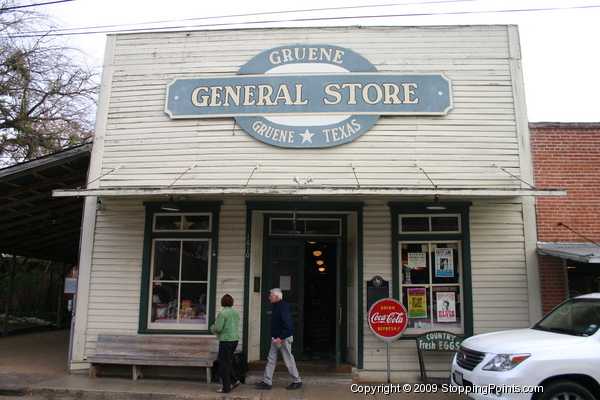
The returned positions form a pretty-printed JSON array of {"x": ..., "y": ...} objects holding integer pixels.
[{"x": 559, "y": 38}]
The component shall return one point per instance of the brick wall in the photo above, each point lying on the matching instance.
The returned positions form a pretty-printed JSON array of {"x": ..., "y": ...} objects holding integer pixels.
[
  {"x": 553, "y": 281},
  {"x": 565, "y": 155}
]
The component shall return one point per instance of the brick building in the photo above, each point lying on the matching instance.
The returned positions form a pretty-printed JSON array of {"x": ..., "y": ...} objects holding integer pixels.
[{"x": 565, "y": 155}]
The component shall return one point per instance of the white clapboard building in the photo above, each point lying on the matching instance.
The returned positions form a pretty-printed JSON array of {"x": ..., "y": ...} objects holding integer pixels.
[{"x": 341, "y": 164}]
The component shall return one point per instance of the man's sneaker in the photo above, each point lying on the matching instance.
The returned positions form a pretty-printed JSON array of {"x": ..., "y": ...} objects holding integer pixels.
[
  {"x": 294, "y": 385},
  {"x": 262, "y": 385}
]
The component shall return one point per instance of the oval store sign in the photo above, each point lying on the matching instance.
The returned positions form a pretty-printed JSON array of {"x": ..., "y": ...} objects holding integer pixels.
[
  {"x": 388, "y": 319},
  {"x": 308, "y": 96}
]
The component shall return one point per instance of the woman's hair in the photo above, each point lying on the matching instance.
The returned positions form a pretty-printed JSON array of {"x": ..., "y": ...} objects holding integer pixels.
[
  {"x": 227, "y": 301},
  {"x": 277, "y": 292}
]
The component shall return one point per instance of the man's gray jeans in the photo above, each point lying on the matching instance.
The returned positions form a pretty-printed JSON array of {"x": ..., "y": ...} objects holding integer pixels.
[{"x": 288, "y": 359}]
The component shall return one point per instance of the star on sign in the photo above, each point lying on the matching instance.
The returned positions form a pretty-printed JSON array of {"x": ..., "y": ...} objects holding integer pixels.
[{"x": 307, "y": 136}]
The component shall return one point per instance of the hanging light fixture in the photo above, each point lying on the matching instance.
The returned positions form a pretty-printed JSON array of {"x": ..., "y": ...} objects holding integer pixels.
[
  {"x": 170, "y": 205},
  {"x": 436, "y": 204}
]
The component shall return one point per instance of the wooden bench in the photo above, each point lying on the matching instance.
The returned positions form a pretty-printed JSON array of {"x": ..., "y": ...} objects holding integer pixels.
[{"x": 139, "y": 350}]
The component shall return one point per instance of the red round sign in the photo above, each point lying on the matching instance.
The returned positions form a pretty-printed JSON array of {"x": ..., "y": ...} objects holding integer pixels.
[{"x": 388, "y": 319}]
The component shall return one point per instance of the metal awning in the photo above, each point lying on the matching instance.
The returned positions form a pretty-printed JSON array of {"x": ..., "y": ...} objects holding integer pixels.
[
  {"x": 32, "y": 222},
  {"x": 582, "y": 252},
  {"x": 313, "y": 190}
]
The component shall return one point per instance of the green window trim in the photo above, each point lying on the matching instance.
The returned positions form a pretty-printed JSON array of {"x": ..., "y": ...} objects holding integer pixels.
[
  {"x": 462, "y": 235},
  {"x": 152, "y": 235}
]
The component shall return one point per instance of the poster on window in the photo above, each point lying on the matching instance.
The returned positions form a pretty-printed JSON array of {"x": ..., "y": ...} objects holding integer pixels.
[
  {"x": 446, "y": 306},
  {"x": 417, "y": 303},
  {"x": 417, "y": 260},
  {"x": 444, "y": 263}
]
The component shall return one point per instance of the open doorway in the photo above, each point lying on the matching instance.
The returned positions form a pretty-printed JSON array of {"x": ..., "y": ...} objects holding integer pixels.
[
  {"x": 320, "y": 301},
  {"x": 308, "y": 273}
]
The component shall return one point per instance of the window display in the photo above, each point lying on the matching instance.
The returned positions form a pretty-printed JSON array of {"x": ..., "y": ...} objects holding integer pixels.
[
  {"x": 180, "y": 283},
  {"x": 430, "y": 272}
]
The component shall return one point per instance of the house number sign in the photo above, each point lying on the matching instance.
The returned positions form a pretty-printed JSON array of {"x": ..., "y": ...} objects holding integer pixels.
[{"x": 308, "y": 96}]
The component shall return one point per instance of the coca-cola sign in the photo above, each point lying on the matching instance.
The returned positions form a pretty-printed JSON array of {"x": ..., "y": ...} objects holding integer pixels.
[{"x": 388, "y": 319}]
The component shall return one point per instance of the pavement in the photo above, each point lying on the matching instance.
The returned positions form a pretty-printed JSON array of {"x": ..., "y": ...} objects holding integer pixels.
[{"x": 35, "y": 366}]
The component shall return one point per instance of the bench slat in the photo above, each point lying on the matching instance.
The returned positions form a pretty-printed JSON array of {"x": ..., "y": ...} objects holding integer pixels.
[
  {"x": 146, "y": 361},
  {"x": 133, "y": 352}
]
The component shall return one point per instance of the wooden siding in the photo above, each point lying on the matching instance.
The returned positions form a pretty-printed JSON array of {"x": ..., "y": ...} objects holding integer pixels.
[
  {"x": 115, "y": 280},
  {"x": 499, "y": 277},
  {"x": 457, "y": 150},
  {"x": 500, "y": 296}
]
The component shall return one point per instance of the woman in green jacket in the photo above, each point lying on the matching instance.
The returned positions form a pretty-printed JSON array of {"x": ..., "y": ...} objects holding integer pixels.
[{"x": 226, "y": 329}]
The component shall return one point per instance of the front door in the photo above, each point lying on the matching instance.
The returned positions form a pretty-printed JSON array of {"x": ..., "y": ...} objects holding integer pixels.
[
  {"x": 308, "y": 273},
  {"x": 285, "y": 270}
]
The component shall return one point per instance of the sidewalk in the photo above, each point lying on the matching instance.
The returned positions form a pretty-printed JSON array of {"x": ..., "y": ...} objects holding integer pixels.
[{"x": 35, "y": 365}]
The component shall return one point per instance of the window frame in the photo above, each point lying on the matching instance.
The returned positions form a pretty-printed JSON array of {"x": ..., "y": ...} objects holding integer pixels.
[
  {"x": 304, "y": 220},
  {"x": 462, "y": 236},
  {"x": 151, "y": 236}
]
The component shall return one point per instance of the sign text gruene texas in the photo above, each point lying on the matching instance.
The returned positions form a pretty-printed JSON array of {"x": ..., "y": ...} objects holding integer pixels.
[{"x": 308, "y": 96}]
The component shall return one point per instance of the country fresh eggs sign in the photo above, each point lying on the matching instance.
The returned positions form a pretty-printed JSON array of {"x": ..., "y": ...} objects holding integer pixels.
[{"x": 308, "y": 96}]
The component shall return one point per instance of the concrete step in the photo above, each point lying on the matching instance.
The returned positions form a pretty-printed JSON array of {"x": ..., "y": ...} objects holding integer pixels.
[
  {"x": 304, "y": 367},
  {"x": 308, "y": 378}
]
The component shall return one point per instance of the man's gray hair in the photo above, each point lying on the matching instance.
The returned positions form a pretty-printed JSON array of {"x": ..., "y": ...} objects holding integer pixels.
[{"x": 277, "y": 292}]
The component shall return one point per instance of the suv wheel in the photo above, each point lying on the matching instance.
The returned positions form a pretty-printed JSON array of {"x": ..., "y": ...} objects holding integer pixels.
[{"x": 565, "y": 390}]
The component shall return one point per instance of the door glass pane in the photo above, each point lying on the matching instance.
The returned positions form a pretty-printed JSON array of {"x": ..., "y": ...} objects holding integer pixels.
[
  {"x": 323, "y": 227},
  {"x": 286, "y": 251},
  {"x": 286, "y": 226},
  {"x": 300, "y": 226},
  {"x": 285, "y": 277}
]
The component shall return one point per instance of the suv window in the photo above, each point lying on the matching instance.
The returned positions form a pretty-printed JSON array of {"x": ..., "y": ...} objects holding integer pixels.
[{"x": 579, "y": 317}]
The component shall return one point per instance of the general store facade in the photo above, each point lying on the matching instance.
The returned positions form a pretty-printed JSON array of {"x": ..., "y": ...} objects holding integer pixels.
[{"x": 311, "y": 159}]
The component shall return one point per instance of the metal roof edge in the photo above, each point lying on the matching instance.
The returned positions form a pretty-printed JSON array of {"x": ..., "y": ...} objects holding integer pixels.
[
  {"x": 309, "y": 190},
  {"x": 577, "y": 251}
]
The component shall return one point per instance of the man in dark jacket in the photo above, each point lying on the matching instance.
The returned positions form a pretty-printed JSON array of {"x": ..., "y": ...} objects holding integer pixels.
[{"x": 282, "y": 329}]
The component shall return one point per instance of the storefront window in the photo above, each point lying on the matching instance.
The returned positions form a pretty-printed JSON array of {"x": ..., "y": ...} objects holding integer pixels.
[
  {"x": 179, "y": 268},
  {"x": 430, "y": 252},
  {"x": 431, "y": 284},
  {"x": 180, "y": 281}
]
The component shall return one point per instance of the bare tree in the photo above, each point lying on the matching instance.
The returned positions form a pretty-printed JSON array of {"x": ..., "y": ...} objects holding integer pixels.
[{"x": 47, "y": 99}]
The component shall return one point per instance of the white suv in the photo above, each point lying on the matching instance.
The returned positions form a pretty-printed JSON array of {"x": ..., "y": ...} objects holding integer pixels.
[{"x": 558, "y": 358}]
